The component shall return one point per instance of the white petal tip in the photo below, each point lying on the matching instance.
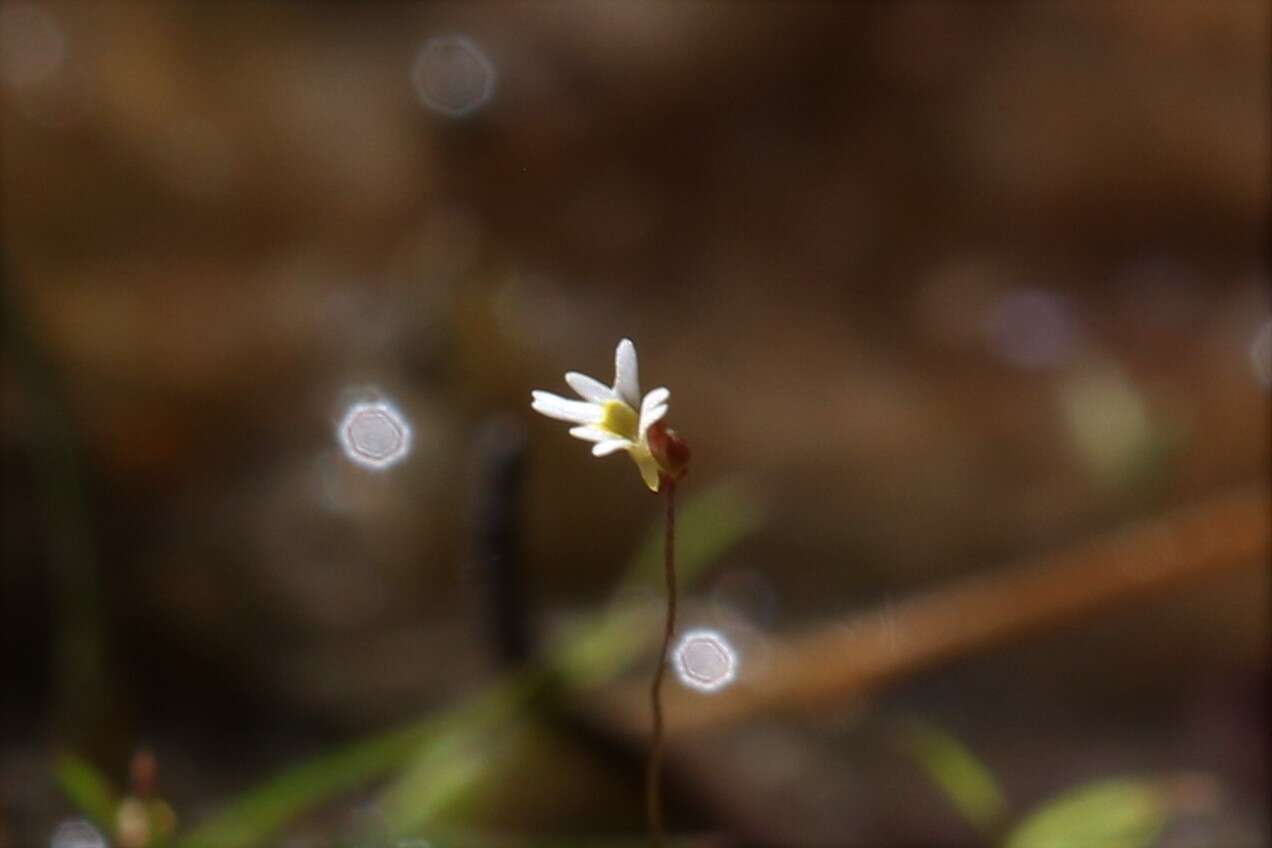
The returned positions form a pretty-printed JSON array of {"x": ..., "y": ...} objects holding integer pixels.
[
  {"x": 610, "y": 446},
  {"x": 627, "y": 373},
  {"x": 563, "y": 409},
  {"x": 588, "y": 388}
]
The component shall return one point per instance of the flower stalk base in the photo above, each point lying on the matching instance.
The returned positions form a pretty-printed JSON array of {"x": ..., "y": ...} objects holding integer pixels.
[{"x": 653, "y": 774}]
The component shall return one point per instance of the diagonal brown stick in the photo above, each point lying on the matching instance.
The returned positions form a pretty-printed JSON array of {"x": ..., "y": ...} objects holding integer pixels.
[{"x": 859, "y": 655}]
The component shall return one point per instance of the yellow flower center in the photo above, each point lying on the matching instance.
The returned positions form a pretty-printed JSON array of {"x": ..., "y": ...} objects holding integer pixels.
[{"x": 620, "y": 419}]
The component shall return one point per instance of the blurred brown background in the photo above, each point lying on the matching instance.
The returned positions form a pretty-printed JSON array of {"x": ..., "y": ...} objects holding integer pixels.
[{"x": 953, "y": 284}]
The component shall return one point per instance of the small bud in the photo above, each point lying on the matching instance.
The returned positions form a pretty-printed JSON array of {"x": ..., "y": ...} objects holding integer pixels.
[
  {"x": 143, "y": 772},
  {"x": 132, "y": 824},
  {"x": 670, "y": 451}
]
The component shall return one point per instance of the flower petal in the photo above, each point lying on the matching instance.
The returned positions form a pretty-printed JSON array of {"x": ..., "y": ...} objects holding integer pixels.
[
  {"x": 610, "y": 446},
  {"x": 655, "y": 397},
  {"x": 591, "y": 434},
  {"x": 589, "y": 388},
  {"x": 627, "y": 373},
  {"x": 653, "y": 408},
  {"x": 649, "y": 471},
  {"x": 561, "y": 409},
  {"x": 651, "y": 416}
]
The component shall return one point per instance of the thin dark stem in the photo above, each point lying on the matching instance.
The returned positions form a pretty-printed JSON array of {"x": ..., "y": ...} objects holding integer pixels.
[
  {"x": 653, "y": 789},
  {"x": 502, "y": 443}
]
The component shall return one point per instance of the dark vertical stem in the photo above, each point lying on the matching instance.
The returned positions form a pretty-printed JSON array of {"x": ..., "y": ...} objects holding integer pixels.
[
  {"x": 653, "y": 777},
  {"x": 503, "y": 449}
]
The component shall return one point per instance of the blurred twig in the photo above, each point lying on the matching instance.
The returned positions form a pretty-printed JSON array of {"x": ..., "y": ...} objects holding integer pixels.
[{"x": 853, "y": 657}]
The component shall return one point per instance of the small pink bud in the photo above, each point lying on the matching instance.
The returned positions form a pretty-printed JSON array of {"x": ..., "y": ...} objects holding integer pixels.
[{"x": 143, "y": 773}]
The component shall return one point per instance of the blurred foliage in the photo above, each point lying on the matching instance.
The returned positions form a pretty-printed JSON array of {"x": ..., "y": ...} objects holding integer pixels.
[
  {"x": 261, "y": 811},
  {"x": 446, "y": 773},
  {"x": 709, "y": 524},
  {"x": 132, "y": 822},
  {"x": 966, "y": 781},
  {"x": 441, "y": 754},
  {"x": 87, "y": 789},
  {"x": 1106, "y": 814},
  {"x": 1109, "y": 813},
  {"x": 223, "y": 221}
]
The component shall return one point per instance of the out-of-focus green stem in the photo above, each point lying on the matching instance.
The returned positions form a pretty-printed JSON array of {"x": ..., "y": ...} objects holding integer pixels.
[{"x": 80, "y": 654}]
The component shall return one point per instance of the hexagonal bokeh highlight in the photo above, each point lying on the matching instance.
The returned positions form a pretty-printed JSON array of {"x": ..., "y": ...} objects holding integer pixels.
[
  {"x": 704, "y": 660},
  {"x": 375, "y": 435},
  {"x": 453, "y": 76}
]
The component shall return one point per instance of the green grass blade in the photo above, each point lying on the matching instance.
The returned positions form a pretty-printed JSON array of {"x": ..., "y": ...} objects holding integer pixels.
[
  {"x": 261, "y": 812},
  {"x": 965, "y": 780},
  {"x": 1117, "y": 813},
  {"x": 87, "y": 789},
  {"x": 708, "y": 524}
]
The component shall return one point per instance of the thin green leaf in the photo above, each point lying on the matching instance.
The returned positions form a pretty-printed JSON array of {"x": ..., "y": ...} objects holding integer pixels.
[
  {"x": 260, "y": 812},
  {"x": 965, "y": 780},
  {"x": 87, "y": 789},
  {"x": 1119, "y": 813},
  {"x": 708, "y": 525},
  {"x": 449, "y": 774}
]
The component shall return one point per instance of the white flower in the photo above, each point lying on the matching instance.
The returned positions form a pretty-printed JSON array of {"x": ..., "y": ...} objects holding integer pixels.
[{"x": 607, "y": 416}]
